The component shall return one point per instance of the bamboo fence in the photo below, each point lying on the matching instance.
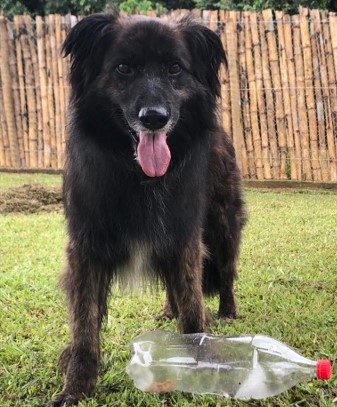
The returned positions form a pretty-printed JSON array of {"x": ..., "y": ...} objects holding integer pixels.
[{"x": 278, "y": 96}]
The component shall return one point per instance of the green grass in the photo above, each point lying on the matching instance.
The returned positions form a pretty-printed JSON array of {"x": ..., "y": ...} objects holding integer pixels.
[
  {"x": 287, "y": 289},
  {"x": 9, "y": 180}
]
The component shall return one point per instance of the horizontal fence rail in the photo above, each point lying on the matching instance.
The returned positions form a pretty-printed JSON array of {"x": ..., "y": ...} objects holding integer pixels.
[{"x": 278, "y": 98}]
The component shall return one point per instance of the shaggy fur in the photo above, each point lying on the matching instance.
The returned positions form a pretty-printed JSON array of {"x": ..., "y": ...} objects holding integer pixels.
[{"x": 185, "y": 224}]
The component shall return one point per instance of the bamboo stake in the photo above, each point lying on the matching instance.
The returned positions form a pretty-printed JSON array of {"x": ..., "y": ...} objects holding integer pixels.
[
  {"x": 269, "y": 97},
  {"x": 5, "y": 139},
  {"x": 329, "y": 94},
  {"x": 58, "y": 40},
  {"x": 37, "y": 91},
  {"x": 309, "y": 93},
  {"x": 248, "y": 138},
  {"x": 8, "y": 95},
  {"x": 213, "y": 20},
  {"x": 22, "y": 87},
  {"x": 54, "y": 66},
  {"x": 16, "y": 96},
  {"x": 235, "y": 92},
  {"x": 261, "y": 106},
  {"x": 253, "y": 98},
  {"x": 315, "y": 36},
  {"x": 50, "y": 94},
  {"x": 286, "y": 95},
  {"x": 2, "y": 147},
  {"x": 302, "y": 109},
  {"x": 5, "y": 159},
  {"x": 40, "y": 34},
  {"x": 65, "y": 26},
  {"x": 276, "y": 81},
  {"x": 30, "y": 94},
  {"x": 288, "y": 44},
  {"x": 333, "y": 35},
  {"x": 225, "y": 95},
  {"x": 234, "y": 16}
]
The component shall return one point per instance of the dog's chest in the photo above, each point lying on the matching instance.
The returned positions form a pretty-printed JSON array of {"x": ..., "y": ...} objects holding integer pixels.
[{"x": 136, "y": 271}]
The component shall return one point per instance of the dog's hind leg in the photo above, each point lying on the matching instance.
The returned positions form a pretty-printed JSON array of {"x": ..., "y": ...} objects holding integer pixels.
[
  {"x": 184, "y": 284},
  {"x": 87, "y": 288},
  {"x": 170, "y": 308},
  {"x": 222, "y": 237}
]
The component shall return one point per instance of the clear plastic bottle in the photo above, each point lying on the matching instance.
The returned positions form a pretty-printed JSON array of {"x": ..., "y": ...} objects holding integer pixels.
[{"x": 244, "y": 367}]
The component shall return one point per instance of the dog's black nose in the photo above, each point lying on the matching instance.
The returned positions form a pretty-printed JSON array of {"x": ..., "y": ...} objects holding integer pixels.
[{"x": 153, "y": 118}]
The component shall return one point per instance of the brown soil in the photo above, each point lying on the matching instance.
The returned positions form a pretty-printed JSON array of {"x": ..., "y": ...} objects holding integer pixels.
[{"x": 31, "y": 198}]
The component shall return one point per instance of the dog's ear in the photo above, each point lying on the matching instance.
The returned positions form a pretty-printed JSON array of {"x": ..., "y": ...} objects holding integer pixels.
[
  {"x": 86, "y": 44},
  {"x": 207, "y": 53}
]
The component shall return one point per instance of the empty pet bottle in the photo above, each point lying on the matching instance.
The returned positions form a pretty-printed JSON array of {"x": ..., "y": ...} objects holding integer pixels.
[{"x": 243, "y": 367}]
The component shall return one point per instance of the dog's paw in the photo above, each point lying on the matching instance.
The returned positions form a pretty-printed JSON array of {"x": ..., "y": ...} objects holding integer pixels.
[
  {"x": 64, "y": 359},
  {"x": 228, "y": 317},
  {"x": 165, "y": 316},
  {"x": 64, "y": 399},
  {"x": 208, "y": 318}
]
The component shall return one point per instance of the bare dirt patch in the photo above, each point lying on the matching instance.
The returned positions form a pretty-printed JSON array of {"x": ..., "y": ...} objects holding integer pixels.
[{"x": 31, "y": 198}]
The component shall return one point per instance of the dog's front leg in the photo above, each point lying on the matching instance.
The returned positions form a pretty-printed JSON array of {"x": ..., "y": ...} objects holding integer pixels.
[
  {"x": 86, "y": 286},
  {"x": 188, "y": 288}
]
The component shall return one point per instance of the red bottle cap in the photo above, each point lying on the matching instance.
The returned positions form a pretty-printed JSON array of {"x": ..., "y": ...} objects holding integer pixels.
[{"x": 323, "y": 369}]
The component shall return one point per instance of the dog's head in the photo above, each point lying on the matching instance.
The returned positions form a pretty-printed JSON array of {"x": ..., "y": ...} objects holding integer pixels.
[{"x": 146, "y": 71}]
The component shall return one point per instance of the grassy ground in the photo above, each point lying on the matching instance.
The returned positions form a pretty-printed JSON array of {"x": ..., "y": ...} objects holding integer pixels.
[
  {"x": 9, "y": 180},
  {"x": 287, "y": 289}
]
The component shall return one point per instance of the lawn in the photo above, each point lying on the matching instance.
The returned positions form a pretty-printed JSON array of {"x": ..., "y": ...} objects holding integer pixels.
[{"x": 287, "y": 289}]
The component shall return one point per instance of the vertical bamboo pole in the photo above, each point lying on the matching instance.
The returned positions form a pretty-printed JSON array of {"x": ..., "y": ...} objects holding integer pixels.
[
  {"x": 213, "y": 22},
  {"x": 58, "y": 39},
  {"x": 37, "y": 91},
  {"x": 30, "y": 93},
  {"x": 50, "y": 94},
  {"x": 315, "y": 37},
  {"x": 269, "y": 97},
  {"x": 333, "y": 36},
  {"x": 286, "y": 95},
  {"x": 329, "y": 94},
  {"x": 4, "y": 142},
  {"x": 237, "y": 127},
  {"x": 205, "y": 16},
  {"x": 248, "y": 138},
  {"x": 225, "y": 94},
  {"x": 22, "y": 87},
  {"x": 288, "y": 45},
  {"x": 261, "y": 106},
  {"x": 56, "y": 91},
  {"x": 301, "y": 105},
  {"x": 2, "y": 147},
  {"x": 65, "y": 27},
  {"x": 309, "y": 93},
  {"x": 234, "y": 17},
  {"x": 253, "y": 98},
  {"x": 40, "y": 40},
  {"x": 16, "y": 97},
  {"x": 7, "y": 93},
  {"x": 276, "y": 81}
]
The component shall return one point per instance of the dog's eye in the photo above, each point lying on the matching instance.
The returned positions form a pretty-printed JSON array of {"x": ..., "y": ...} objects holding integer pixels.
[
  {"x": 124, "y": 69},
  {"x": 174, "y": 69}
]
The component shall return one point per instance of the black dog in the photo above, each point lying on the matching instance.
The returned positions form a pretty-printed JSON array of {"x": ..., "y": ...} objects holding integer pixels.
[{"x": 150, "y": 175}]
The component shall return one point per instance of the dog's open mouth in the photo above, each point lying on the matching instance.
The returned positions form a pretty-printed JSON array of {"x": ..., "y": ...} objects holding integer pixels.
[{"x": 153, "y": 153}]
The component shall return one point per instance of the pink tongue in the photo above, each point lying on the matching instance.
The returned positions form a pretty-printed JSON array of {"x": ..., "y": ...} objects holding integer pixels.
[{"x": 153, "y": 153}]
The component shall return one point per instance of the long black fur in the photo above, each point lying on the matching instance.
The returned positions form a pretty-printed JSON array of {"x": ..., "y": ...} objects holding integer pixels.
[{"x": 187, "y": 221}]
